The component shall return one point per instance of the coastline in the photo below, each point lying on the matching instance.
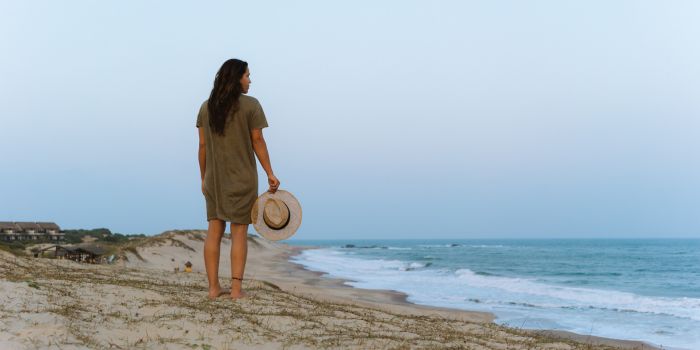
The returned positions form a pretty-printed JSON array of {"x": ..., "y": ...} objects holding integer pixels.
[
  {"x": 401, "y": 299},
  {"x": 143, "y": 303},
  {"x": 336, "y": 289}
]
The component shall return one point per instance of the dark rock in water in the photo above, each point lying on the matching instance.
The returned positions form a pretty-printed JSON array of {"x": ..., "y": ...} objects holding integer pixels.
[{"x": 349, "y": 246}]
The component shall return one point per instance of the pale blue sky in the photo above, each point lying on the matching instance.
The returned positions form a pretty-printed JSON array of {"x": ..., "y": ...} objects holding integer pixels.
[{"x": 399, "y": 119}]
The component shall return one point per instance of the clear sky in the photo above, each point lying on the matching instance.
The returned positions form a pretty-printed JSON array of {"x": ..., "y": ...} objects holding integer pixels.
[{"x": 392, "y": 119}]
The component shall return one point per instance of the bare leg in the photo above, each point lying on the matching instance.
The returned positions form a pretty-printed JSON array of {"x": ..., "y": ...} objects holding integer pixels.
[
  {"x": 239, "y": 254},
  {"x": 212, "y": 250}
]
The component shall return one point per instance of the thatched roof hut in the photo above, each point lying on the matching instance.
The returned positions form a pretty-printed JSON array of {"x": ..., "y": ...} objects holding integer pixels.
[
  {"x": 81, "y": 253},
  {"x": 48, "y": 226},
  {"x": 29, "y": 226},
  {"x": 22, "y": 231},
  {"x": 91, "y": 248},
  {"x": 7, "y": 226}
]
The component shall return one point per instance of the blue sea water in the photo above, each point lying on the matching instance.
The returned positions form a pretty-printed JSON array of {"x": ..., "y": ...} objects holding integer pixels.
[{"x": 646, "y": 290}]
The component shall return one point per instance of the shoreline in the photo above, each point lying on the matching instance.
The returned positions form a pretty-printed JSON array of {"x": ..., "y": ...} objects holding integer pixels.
[
  {"x": 401, "y": 299},
  {"x": 396, "y": 297},
  {"x": 144, "y": 301}
]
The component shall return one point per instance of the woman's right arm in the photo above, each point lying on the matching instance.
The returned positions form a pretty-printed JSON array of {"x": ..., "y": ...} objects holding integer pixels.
[
  {"x": 260, "y": 148},
  {"x": 202, "y": 155}
]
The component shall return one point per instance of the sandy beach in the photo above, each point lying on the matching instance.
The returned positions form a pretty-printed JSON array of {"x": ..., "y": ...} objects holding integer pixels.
[{"x": 143, "y": 303}]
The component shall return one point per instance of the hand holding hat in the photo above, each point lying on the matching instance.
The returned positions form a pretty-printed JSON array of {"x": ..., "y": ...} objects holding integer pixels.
[{"x": 273, "y": 182}]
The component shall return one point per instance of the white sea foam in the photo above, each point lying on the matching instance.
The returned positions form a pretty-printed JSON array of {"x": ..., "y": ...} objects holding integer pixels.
[
  {"x": 522, "y": 302},
  {"x": 573, "y": 297}
]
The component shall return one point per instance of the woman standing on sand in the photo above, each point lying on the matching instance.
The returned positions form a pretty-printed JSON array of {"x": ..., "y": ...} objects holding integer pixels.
[{"x": 230, "y": 130}]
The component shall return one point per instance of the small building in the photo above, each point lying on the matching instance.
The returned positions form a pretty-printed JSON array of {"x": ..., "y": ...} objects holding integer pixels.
[
  {"x": 48, "y": 227},
  {"x": 29, "y": 227},
  {"x": 8, "y": 227},
  {"x": 9, "y": 231},
  {"x": 84, "y": 253},
  {"x": 34, "y": 231}
]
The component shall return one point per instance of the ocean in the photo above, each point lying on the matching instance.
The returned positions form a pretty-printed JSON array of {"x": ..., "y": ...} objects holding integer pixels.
[{"x": 635, "y": 289}]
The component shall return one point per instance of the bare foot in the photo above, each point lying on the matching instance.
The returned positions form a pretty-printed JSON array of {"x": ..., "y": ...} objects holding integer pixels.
[
  {"x": 236, "y": 289},
  {"x": 240, "y": 295},
  {"x": 216, "y": 292}
]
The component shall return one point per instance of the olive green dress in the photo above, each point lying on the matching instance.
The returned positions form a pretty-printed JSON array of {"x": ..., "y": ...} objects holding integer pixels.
[{"x": 231, "y": 175}]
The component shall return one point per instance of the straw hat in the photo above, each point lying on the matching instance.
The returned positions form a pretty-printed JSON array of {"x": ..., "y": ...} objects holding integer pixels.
[{"x": 276, "y": 216}]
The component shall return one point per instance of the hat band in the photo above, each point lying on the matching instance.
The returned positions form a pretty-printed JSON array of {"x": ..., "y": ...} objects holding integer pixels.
[{"x": 269, "y": 224}]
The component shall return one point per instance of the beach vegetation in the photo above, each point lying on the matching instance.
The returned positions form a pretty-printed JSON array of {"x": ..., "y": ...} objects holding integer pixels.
[
  {"x": 15, "y": 247},
  {"x": 75, "y": 236}
]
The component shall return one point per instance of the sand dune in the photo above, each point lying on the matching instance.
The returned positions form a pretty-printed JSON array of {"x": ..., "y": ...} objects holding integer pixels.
[{"x": 143, "y": 304}]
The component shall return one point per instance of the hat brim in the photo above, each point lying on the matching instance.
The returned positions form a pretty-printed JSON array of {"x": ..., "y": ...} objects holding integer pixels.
[{"x": 268, "y": 232}]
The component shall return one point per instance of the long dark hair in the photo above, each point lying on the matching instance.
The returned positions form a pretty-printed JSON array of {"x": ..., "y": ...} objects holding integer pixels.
[{"x": 223, "y": 99}]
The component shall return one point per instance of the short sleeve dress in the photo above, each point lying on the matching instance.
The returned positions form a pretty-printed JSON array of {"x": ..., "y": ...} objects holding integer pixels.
[{"x": 230, "y": 175}]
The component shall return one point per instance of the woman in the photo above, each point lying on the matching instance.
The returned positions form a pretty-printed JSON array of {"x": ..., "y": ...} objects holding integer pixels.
[{"x": 230, "y": 130}]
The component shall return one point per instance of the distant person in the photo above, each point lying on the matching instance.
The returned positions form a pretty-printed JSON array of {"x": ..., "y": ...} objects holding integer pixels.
[{"x": 230, "y": 130}]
